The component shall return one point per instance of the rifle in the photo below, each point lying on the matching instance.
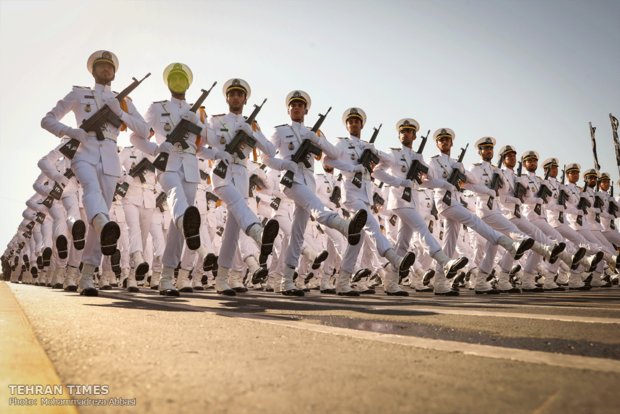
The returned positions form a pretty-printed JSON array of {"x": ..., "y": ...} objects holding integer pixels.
[
  {"x": 367, "y": 158},
  {"x": 303, "y": 152},
  {"x": 40, "y": 218},
  {"x": 544, "y": 193},
  {"x": 121, "y": 190},
  {"x": 57, "y": 190},
  {"x": 456, "y": 177},
  {"x": 275, "y": 203},
  {"x": 69, "y": 148},
  {"x": 240, "y": 141},
  {"x": 520, "y": 189},
  {"x": 141, "y": 168},
  {"x": 160, "y": 200},
  {"x": 416, "y": 169},
  {"x": 180, "y": 132},
  {"x": 377, "y": 201},
  {"x": 96, "y": 123},
  {"x": 336, "y": 196},
  {"x": 496, "y": 183}
]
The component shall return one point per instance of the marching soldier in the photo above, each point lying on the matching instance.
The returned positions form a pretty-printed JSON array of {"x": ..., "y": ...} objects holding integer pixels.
[
  {"x": 360, "y": 198},
  {"x": 180, "y": 175},
  {"x": 403, "y": 197},
  {"x": 287, "y": 139},
  {"x": 96, "y": 163},
  {"x": 449, "y": 205},
  {"x": 490, "y": 181},
  {"x": 231, "y": 184}
]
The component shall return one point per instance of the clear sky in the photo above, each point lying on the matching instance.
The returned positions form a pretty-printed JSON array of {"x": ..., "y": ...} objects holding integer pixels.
[{"x": 530, "y": 73}]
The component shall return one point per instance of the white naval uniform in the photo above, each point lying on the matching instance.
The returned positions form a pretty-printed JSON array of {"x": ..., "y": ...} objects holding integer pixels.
[
  {"x": 393, "y": 171},
  {"x": 181, "y": 177},
  {"x": 456, "y": 215},
  {"x": 483, "y": 173},
  {"x": 139, "y": 202},
  {"x": 350, "y": 149},
  {"x": 608, "y": 220},
  {"x": 95, "y": 163},
  {"x": 287, "y": 139},
  {"x": 233, "y": 188}
]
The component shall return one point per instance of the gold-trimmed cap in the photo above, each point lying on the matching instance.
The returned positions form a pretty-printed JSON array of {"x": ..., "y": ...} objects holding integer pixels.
[
  {"x": 354, "y": 113},
  {"x": 444, "y": 132},
  {"x": 298, "y": 95},
  {"x": 407, "y": 123},
  {"x": 527, "y": 155},
  {"x": 237, "y": 84},
  {"x": 550, "y": 162},
  {"x": 101, "y": 56},
  {"x": 573, "y": 166},
  {"x": 486, "y": 142}
]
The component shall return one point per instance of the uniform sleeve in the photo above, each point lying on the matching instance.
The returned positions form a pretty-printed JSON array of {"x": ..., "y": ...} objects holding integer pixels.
[
  {"x": 381, "y": 174},
  {"x": 143, "y": 142},
  {"x": 47, "y": 165},
  {"x": 51, "y": 120},
  {"x": 134, "y": 120},
  {"x": 269, "y": 159},
  {"x": 338, "y": 162}
]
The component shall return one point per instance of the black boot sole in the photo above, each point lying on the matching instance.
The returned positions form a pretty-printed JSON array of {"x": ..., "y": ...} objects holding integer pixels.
[
  {"x": 78, "y": 232},
  {"x": 191, "y": 227},
  {"x": 109, "y": 237},
  {"x": 355, "y": 227}
]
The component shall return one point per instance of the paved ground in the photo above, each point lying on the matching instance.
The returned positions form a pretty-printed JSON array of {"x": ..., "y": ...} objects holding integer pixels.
[{"x": 264, "y": 353}]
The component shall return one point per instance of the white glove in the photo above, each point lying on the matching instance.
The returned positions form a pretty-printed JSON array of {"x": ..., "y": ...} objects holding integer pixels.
[
  {"x": 165, "y": 147},
  {"x": 491, "y": 193},
  {"x": 459, "y": 166},
  {"x": 313, "y": 137},
  {"x": 406, "y": 183},
  {"x": 358, "y": 168},
  {"x": 77, "y": 133},
  {"x": 191, "y": 117},
  {"x": 290, "y": 166},
  {"x": 372, "y": 148},
  {"x": 538, "y": 200},
  {"x": 245, "y": 127},
  {"x": 115, "y": 106},
  {"x": 224, "y": 156}
]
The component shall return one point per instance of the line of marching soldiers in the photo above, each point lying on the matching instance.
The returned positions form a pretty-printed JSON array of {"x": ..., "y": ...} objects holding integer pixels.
[{"x": 210, "y": 203}]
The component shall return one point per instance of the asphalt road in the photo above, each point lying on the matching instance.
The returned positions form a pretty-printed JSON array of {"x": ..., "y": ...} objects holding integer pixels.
[{"x": 264, "y": 353}]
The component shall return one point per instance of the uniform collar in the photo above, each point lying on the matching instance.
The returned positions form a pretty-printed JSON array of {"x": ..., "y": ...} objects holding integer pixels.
[
  {"x": 236, "y": 117},
  {"x": 102, "y": 88},
  {"x": 178, "y": 102}
]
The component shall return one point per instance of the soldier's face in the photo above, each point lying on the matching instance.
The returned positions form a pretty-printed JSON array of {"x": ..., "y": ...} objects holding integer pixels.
[
  {"x": 407, "y": 136},
  {"x": 572, "y": 176},
  {"x": 103, "y": 72},
  {"x": 486, "y": 153},
  {"x": 297, "y": 111},
  {"x": 531, "y": 164},
  {"x": 510, "y": 159},
  {"x": 177, "y": 83},
  {"x": 554, "y": 171},
  {"x": 236, "y": 99},
  {"x": 591, "y": 180},
  {"x": 604, "y": 185},
  {"x": 444, "y": 144},
  {"x": 354, "y": 126}
]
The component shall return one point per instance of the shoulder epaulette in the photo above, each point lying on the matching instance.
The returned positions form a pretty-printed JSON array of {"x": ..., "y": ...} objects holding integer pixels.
[
  {"x": 280, "y": 126},
  {"x": 435, "y": 156},
  {"x": 396, "y": 149},
  {"x": 81, "y": 87},
  {"x": 477, "y": 164},
  {"x": 216, "y": 115},
  {"x": 343, "y": 138},
  {"x": 156, "y": 102}
]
